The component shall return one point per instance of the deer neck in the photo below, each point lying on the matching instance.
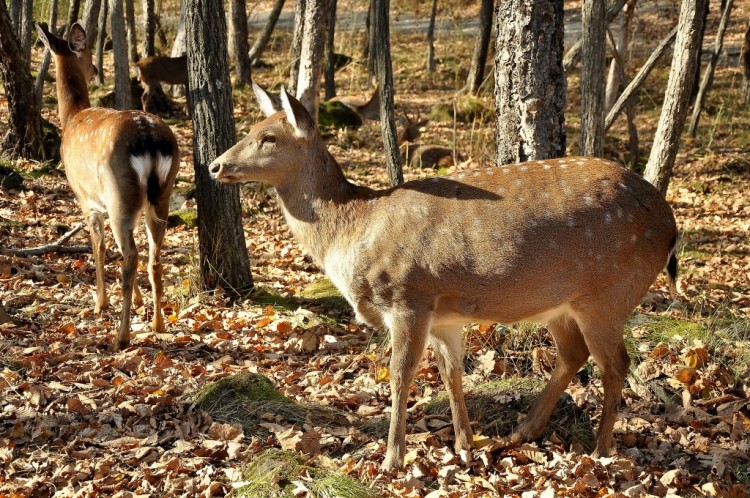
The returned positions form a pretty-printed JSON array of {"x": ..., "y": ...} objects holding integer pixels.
[
  {"x": 72, "y": 91},
  {"x": 318, "y": 206}
]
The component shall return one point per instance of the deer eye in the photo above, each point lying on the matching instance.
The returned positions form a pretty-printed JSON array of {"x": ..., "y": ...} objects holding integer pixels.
[{"x": 267, "y": 139}]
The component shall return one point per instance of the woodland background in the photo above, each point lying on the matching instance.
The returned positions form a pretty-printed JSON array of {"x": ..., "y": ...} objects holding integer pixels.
[{"x": 283, "y": 394}]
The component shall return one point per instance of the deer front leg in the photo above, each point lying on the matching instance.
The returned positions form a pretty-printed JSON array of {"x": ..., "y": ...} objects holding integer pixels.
[
  {"x": 408, "y": 339},
  {"x": 96, "y": 232},
  {"x": 448, "y": 345}
]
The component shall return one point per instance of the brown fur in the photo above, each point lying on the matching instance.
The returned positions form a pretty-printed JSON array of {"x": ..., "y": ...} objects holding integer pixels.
[
  {"x": 98, "y": 146},
  {"x": 154, "y": 70},
  {"x": 571, "y": 243}
]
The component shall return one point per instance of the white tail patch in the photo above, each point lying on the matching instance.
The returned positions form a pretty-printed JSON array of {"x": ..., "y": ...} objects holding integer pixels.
[
  {"x": 163, "y": 168},
  {"x": 145, "y": 164},
  {"x": 142, "y": 166}
]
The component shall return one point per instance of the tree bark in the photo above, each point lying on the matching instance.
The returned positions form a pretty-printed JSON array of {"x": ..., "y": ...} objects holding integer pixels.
[
  {"x": 101, "y": 37},
  {"x": 238, "y": 41},
  {"x": 530, "y": 85},
  {"x": 27, "y": 23},
  {"x": 149, "y": 48},
  {"x": 90, "y": 20},
  {"x": 223, "y": 256},
  {"x": 123, "y": 98},
  {"x": 481, "y": 47},
  {"x": 382, "y": 47},
  {"x": 639, "y": 78},
  {"x": 262, "y": 42},
  {"x": 179, "y": 47},
  {"x": 44, "y": 68},
  {"x": 667, "y": 137},
  {"x": 431, "y": 39},
  {"x": 24, "y": 137},
  {"x": 330, "y": 61},
  {"x": 132, "y": 32},
  {"x": 16, "y": 6},
  {"x": 630, "y": 105},
  {"x": 311, "y": 55},
  {"x": 710, "y": 68},
  {"x": 746, "y": 65},
  {"x": 592, "y": 78},
  {"x": 73, "y": 9},
  {"x": 574, "y": 53},
  {"x": 372, "y": 51},
  {"x": 296, "y": 48}
]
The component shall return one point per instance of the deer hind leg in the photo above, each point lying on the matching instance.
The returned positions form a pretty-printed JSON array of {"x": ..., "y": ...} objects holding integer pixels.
[
  {"x": 605, "y": 341},
  {"x": 408, "y": 330},
  {"x": 571, "y": 355},
  {"x": 156, "y": 225},
  {"x": 96, "y": 232},
  {"x": 448, "y": 344},
  {"x": 122, "y": 228}
]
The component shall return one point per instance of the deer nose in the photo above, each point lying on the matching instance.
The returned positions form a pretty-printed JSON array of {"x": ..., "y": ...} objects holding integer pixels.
[{"x": 215, "y": 168}]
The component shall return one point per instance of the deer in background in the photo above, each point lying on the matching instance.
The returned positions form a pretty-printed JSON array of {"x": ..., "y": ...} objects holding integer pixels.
[
  {"x": 571, "y": 243},
  {"x": 154, "y": 70},
  {"x": 117, "y": 163},
  {"x": 367, "y": 108}
]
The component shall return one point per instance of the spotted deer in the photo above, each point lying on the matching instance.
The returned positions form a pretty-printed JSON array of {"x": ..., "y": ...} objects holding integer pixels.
[
  {"x": 117, "y": 163},
  {"x": 571, "y": 243}
]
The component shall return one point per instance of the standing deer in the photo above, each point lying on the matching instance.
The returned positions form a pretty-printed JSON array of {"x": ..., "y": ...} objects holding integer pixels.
[
  {"x": 157, "y": 69},
  {"x": 572, "y": 243},
  {"x": 117, "y": 163}
]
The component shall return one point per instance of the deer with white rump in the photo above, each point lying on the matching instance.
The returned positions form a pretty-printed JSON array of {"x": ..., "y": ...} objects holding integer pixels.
[
  {"x": 118, "y": 163},
  {"x": 572, "y": 243}
]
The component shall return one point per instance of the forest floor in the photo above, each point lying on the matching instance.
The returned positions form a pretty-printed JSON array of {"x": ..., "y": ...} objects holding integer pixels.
[{"x": 184, "y": 413}]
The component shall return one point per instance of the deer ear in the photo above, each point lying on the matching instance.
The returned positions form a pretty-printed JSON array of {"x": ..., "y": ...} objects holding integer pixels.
[
  {"x": 265, "y": 101},
  {"x": 77, "y": 39},
  {"x": 297, "y": 115}
]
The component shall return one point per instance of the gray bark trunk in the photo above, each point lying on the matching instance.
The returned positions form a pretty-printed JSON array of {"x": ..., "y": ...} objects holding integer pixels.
[
  {"x": 149, "y": 49},
  {"x": 256, "y": 52},
  {"x": 90, "y": 20},
  {"x": 431, "y": 39},
  {"x": 132, "y": 32},
  {"x": 481, "y": 47},
  {"x": 746, "y": 65},
  {"x": 592, "y": 78},
  {"x": 42, "y": 74},
  {"x": 630, "y": 105},
  {"x": 223, "y": 256},
  {"x": 238, "y": 41},
  {"x": 382, "y": 47},
  {"x": 73, "y": 8},
  {"x": 667, "y": 137},
  {"x": 372, "y": 66},
  {"x": 330, "y": 63},
  {"x": 574, "y": 53},
  {"x": 296, "y": 49},
  {"x": 311, "y": 55},
  {"x": 123, "y": 98},
  {"x": 179, "y": 47},
  {"x": 24, "y": 135},
  {"x": 530, "y": 85},
  {"x": 101, "y": 37},
  {"x": 27, "y": 26},
  {"x": 621, "y": 48},
  {"x": 15, "y": 15},
  {"x": 709, "y": 74}
]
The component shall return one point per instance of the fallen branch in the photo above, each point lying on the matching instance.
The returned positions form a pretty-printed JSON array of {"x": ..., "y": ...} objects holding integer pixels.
[{"x": 56, "y": 246}]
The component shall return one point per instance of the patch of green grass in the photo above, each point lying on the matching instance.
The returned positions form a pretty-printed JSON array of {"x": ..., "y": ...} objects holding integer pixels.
[
  {"x": 6, "y": 223},
  {"x": 325, "y": 293},
  {"x": 187, "y": 217},
  {"x": 273, "y": 474},
  {"x": 267, "y": 297},
  {"x": 496, "y": 405},
  {"x": 742, "y": 471},
  {"x": 49, "y": 168}
]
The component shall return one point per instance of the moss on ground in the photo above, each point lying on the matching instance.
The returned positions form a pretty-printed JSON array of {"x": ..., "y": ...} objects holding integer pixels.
[
  {"x": 187, "y": 217},
  {"x": 325, "y": 293}
]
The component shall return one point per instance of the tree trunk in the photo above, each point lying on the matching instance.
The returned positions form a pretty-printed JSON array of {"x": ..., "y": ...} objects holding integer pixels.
[
  {"x": 667, "y": 137},
  {"x": 431, "y": 39},
  {"x": 132, "y": 32},
  {"x": 709, "y": 74},
  {"x": 90, "y": 20},
  {"x": 223, "y": 256},
  {"x": 179, "y": 47},
  {"x": 262, "y": 42},
  {"x": 16, "y": 6},
  {"x": 746, "y": 65},
  {"x": 73, "y": 9},
  {"x": 330, "y": 61},
  {"x": 120, "y": 50},
  {"x": 149, "y": 48},
  {"x": 530, "y": 85},
  {"x": 27, "y": 26},
  {"x": 574, "y": 54},
  {"x": 372, "y": 51},
  {"x": 101, "y": 37},
  {"x": 296, "y": 48},
  {"x": 696, "y": 79},
  {"x": 44, "y": 68},
  {"x": 630, "y": 105},
  {"x": 311, "y": 55},
  {"x": 238, "y": 41},
  {"x": 622, "y": 44},
  {"x": 382, "y": 47},
  {"x": 481, "y": 47},
  {"x": 24, "y": 136},
  {"x": 592, "y": 78}
]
